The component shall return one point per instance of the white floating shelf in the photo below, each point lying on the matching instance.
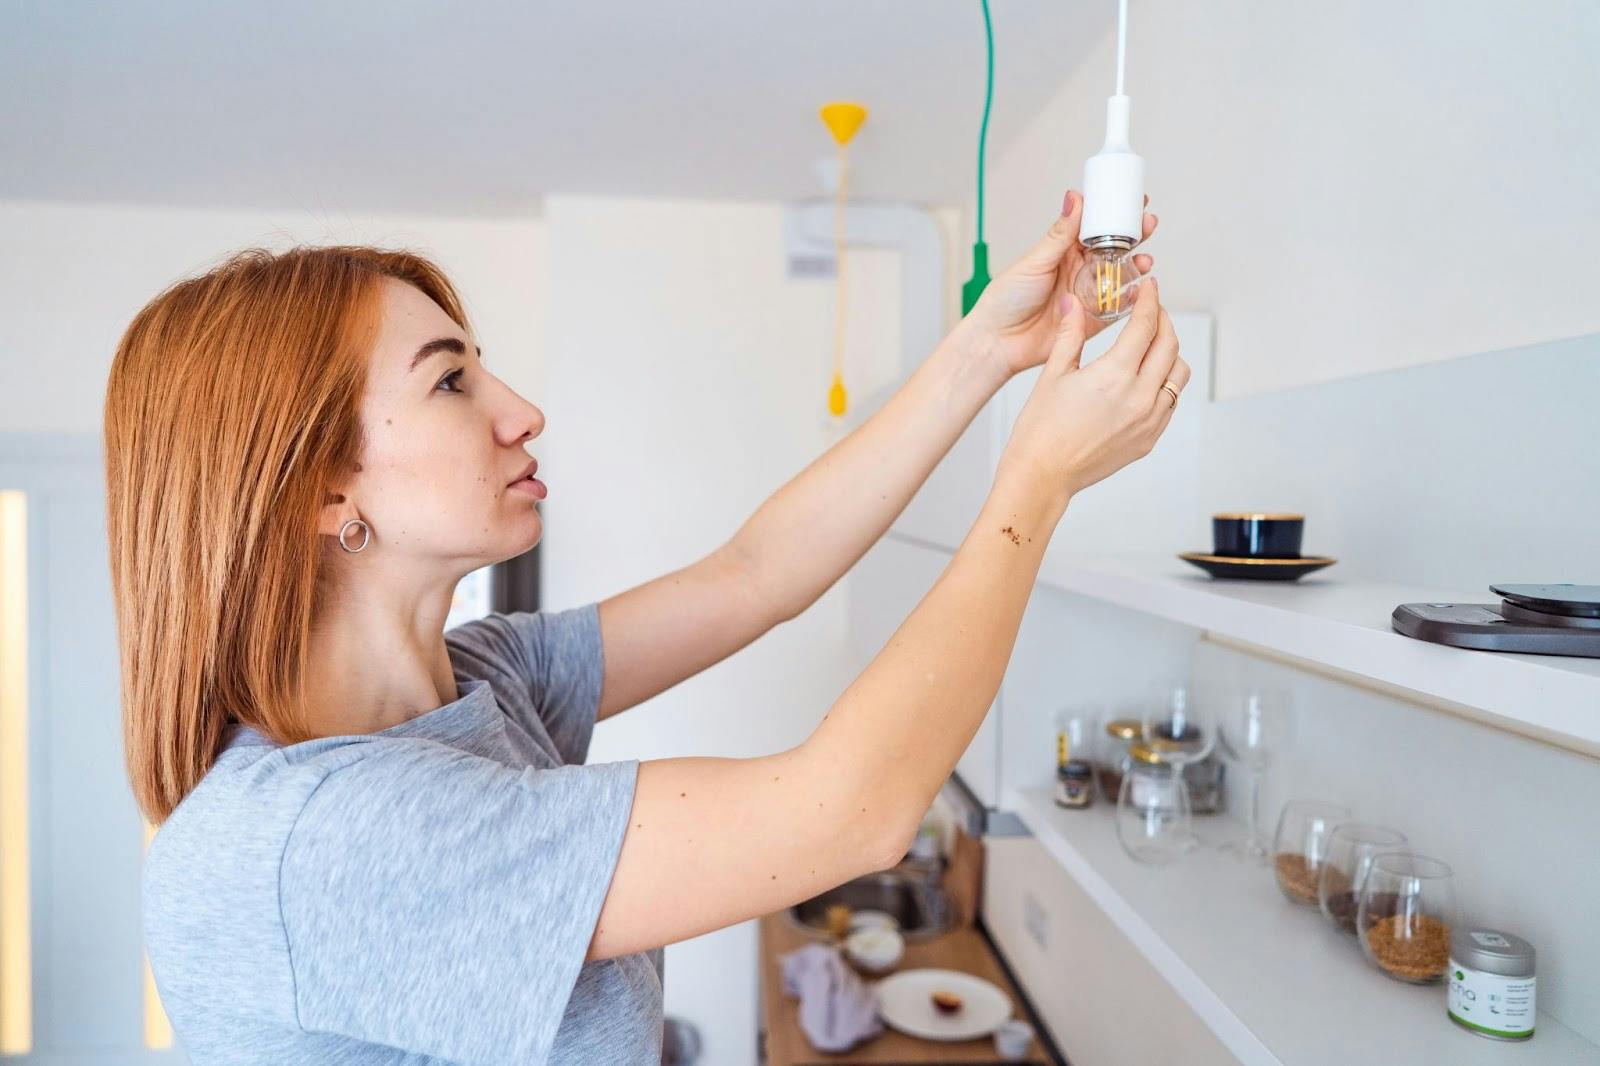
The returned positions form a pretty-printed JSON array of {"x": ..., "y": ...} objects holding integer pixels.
[
  {"x": 1276, "y": 983},
  {"x": 1338, "y": 621}
]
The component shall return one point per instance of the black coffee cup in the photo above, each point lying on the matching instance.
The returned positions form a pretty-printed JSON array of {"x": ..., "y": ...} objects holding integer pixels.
[{"x": 1253, "y": 535}]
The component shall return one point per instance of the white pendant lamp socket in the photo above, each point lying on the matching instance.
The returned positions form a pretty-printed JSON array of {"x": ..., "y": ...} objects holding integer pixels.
[{"x": 1113, "y": 206}]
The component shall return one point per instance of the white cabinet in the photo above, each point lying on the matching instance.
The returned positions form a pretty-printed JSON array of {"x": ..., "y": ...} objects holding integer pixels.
[{"x": 1086, "y": 980}]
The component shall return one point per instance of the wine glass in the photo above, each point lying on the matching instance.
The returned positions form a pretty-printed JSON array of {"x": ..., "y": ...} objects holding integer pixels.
[
  {"x": 1254, "y": 728},
  {"x": 1180, "y": 726}
]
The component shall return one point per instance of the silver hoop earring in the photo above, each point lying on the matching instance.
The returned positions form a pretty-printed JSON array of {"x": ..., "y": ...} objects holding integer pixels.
[{"x": 366, "y": 535}]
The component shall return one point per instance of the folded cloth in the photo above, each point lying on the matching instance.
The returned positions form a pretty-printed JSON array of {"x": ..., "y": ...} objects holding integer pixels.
[{"x": 837, "y": 1009}]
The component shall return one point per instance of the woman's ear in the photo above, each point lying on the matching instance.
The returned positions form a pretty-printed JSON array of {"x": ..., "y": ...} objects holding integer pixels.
[{"x": 337, "y": 509}]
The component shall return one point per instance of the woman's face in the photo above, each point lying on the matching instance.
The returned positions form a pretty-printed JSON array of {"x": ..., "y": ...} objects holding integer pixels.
[{"x": 443, "y": 475}]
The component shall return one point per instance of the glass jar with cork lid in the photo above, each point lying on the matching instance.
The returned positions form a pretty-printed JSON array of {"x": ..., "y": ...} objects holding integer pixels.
[{"x": 1114, "y": 759}]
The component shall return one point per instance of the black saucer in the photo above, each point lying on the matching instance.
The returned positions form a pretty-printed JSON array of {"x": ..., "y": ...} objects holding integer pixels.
[{"x": 1251, "y": 569}]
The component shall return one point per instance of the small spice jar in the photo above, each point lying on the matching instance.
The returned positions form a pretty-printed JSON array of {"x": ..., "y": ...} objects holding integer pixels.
[
  {"x": 1074, "y": 784},
  {"x": 1491, "y": 983}
]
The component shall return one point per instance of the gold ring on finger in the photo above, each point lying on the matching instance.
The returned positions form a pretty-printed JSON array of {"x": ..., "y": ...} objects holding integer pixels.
[{"x": 1166, "y": 387}]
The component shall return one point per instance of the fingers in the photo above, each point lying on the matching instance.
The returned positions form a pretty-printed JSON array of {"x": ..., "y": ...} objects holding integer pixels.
[
  {"x": 1163, "y": 406},
  {"x": 1061, "y": 237},
  {"x": 1144, "y": 263},
  {"x": 1150, "y": 223},
  {"x": 1067, "y": 348},
  {"x": 1179, "y": 376},
  {"x": 1162, "y": 417},
  {"x": 1160, "y": 356},
  {"x": 1141, "y": 327}
]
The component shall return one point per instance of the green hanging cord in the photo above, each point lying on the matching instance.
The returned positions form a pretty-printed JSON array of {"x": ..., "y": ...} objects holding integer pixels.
[{"x": 980, "y": 251}]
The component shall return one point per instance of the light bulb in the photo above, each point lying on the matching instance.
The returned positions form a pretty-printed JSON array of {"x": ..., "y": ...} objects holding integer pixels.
[{"x": 1106, "y": 281}]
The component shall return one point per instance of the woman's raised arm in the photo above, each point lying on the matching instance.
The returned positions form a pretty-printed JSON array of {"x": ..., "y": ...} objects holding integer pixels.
[
  {"x": 712, "y": 842},
  {"x": 813, "y": 529}
]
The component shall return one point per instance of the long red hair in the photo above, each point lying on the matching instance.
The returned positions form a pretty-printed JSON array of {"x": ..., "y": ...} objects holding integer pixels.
[{"x": 231, "y": 411}]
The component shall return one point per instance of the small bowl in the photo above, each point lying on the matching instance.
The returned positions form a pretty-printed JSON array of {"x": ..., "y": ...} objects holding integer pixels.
[
  {"x": 1254, "y": 535},
  {"x": 1012, "y": 1039},
  {"x": 875, "y": 949}
]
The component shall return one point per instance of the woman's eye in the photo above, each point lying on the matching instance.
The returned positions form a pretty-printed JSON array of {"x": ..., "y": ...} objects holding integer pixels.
[{"x": 449, "y": 382}]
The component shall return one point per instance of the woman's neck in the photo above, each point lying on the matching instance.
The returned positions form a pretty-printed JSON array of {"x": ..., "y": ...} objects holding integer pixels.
[{"x": 377, "y": 655}]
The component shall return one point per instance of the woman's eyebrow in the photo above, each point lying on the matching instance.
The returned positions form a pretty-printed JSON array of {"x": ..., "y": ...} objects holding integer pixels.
[{"x": 440, "y": 344}]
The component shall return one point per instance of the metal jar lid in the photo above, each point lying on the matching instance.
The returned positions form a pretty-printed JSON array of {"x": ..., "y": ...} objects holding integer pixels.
[
  {"x": 1124, "y": 728},
  {"x": 1139, "y": 751},
  {"x": 1492, "y": 951}
]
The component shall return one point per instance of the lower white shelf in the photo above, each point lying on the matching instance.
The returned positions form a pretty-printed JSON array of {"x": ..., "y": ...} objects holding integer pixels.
[{"x": 1275, "y": 981}]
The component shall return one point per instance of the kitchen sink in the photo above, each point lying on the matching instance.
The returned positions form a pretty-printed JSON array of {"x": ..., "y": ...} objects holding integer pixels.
[{"x": 917, "y": 904}]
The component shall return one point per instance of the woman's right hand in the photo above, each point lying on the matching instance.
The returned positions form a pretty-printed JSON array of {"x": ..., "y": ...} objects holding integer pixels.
[{"x": 1083, "y": 423}]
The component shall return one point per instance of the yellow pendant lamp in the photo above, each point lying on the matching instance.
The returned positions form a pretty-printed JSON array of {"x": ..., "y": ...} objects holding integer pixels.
[{"x": 843, "y": 119}]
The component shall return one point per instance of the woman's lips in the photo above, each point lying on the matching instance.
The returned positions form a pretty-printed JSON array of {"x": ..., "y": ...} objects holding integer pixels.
[{"x": 531, "y": 486}]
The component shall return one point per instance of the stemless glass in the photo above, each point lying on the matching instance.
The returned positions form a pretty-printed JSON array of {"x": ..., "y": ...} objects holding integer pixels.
[
  {"x": 1351, "y": 849},
  {"x": 1150, "y": 808},
  {"x": 1181, "y": 727},
  {"x": 1408, "y": 907},
  {"x": 1254, "y": 727},
  {"x": 1301, "y": 842}
]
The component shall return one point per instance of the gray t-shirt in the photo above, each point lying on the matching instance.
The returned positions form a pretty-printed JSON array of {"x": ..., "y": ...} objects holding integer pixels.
[{"x": 422, "y": 894}]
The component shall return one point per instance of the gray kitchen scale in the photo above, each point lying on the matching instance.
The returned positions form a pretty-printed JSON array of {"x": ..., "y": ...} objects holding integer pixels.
[{"x": 1536, "y": 619}]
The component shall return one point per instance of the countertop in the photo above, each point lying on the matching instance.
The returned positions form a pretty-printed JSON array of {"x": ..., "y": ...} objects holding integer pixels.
[{"x": 963, "y": 948}]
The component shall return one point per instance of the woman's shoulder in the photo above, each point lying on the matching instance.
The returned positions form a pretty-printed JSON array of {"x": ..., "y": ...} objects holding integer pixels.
[
  {"x": 526, "y": 644},
  {"x": 225, "y": 839}
]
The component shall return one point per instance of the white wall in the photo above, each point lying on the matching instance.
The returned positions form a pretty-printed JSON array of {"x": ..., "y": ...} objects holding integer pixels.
[
  {"x": 72, "y": 277},
  {"x": 1349, "y": 187}
]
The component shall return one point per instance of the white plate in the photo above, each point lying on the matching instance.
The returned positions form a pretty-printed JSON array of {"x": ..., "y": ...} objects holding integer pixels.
[{"x": 905, "y": 1002}]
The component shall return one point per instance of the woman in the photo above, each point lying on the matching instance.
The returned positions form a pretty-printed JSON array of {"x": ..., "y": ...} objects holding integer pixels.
[{"x": 378, "y": 842}]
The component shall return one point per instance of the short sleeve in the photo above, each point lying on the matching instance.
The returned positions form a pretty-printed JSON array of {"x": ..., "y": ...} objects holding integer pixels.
[
  {"x": 552, "y": 662},
  {"x": 443, "y": 903}
]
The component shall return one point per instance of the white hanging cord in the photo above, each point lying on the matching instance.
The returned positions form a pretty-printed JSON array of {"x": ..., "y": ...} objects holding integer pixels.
[{"x": 1122, "y": 41}]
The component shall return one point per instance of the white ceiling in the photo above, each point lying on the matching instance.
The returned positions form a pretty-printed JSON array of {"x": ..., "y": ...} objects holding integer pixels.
[{"x": 483, "y": 107}]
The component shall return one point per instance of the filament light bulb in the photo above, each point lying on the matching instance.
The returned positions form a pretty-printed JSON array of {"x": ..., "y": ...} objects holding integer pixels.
[
  {"x": 1105, "y": 282},
  {"x": 1113, "y": 207}
]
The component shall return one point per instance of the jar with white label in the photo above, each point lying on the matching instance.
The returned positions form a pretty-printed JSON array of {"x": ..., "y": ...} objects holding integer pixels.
[{"x": 1491, "y": 983}]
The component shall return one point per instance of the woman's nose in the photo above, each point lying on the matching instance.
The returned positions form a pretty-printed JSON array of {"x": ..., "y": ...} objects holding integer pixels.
[{"x": 523, "y": 422}]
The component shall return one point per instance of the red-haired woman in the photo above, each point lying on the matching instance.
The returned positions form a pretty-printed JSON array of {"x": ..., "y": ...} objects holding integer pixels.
[{"x": 379, "y": 842}]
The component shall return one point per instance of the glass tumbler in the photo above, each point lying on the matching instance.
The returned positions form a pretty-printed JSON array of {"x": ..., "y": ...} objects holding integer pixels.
[
  {"x": 1301, "y": 843},
  {"x": 1351, "y": 849},
  {"x": 1152, "y": 813},
  {"x": 1408, "y": 907}
]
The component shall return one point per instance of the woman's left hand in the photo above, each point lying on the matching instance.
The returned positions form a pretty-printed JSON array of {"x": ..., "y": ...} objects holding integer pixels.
[{"x": 1015, "y": 320}]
